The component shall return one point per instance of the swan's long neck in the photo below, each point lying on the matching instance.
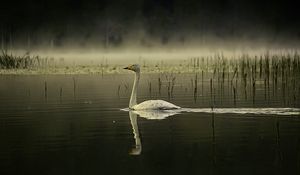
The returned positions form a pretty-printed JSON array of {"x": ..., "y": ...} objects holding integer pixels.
[{"x": 132, "y": 101}]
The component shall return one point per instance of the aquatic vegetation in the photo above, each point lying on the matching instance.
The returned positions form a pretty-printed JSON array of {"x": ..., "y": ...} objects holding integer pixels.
[
  {"x": 10, "y": 61},
  {"x": 251, "y": 70}
]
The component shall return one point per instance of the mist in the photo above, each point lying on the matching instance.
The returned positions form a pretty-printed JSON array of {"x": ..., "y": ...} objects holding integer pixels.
[{"x": 121, "y": 26}]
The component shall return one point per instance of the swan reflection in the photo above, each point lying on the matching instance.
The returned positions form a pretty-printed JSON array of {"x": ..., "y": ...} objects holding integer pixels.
[
  {"x": 138, "y": 145},
  {"x": 148, "y": 114}
]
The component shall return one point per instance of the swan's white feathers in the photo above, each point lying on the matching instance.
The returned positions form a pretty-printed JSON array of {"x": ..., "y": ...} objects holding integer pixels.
[{"x": 155, "y": 105}]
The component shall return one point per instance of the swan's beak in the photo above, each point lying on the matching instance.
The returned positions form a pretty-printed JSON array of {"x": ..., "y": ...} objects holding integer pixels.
[{"x": 130, "y": 67}]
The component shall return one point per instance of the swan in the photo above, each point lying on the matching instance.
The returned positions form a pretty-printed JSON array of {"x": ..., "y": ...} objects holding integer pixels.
[{"x": 149, "y": 104}]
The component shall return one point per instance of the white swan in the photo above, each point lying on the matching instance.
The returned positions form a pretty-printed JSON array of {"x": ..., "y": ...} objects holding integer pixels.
[{"x": 149, "y": 104}]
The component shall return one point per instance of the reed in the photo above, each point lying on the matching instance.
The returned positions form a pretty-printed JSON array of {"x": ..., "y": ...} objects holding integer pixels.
[
  {"x": 10, "y": 61},
  {"x": 234, "y": 96},
  {"x": 150, "y": 88},
  {"x": 159, "y": 85},
  {"x": 195, "y": 88},
  {"x": 202, "y": 84},
  {"x": 173, "y": 84},
  {"x": 45, "y": 90}
]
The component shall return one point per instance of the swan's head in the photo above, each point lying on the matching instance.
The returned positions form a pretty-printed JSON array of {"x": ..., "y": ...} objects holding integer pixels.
[{"x": 134, "y": 67}]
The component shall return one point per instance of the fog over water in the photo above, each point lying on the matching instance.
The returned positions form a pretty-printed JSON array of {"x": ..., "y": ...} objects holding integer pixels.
[
  {"x": 149, "y": 55},
  {"x": 110, "y": 26}
]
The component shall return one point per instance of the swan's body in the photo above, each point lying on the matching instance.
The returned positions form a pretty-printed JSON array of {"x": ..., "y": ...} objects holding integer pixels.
[
  {"x": 149, "y": 104},
  {"x": 155, "y": 105}
]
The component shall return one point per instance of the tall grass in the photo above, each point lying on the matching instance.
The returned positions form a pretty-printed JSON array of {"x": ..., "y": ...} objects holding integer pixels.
[{"x": 10, "y": 61}]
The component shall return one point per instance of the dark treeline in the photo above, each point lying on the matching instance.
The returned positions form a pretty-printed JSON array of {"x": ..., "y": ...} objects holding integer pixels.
[{"x": 106, "y": 23}]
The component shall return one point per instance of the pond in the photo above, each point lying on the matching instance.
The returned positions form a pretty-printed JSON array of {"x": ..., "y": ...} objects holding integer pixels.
[{"x": 78, "y": 124}]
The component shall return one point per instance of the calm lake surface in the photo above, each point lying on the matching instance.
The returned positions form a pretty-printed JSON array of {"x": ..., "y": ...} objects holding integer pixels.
[{"x": 73, "y": 124}]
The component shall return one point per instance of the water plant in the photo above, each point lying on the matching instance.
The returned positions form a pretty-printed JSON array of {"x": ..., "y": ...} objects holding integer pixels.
[{"x": 10, "y": 61}]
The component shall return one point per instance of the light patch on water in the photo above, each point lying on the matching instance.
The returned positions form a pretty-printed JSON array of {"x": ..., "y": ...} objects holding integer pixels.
[
  {"x": 256, "y": 111},
  {"x": 162, "y": 114}
]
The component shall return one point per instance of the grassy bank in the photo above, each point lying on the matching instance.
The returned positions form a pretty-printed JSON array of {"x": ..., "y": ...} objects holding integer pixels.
[{"x": 244, "y": 66}]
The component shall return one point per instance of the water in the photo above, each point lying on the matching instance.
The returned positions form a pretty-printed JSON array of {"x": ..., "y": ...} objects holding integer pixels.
[{"x": 66, "y": 124}]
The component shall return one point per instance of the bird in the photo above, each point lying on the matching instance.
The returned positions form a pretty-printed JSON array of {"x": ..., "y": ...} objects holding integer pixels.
[{"x": 149, "y": 104}]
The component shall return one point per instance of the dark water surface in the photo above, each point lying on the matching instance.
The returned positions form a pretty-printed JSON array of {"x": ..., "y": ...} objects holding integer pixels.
[{"x": 64, "y": 124}]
